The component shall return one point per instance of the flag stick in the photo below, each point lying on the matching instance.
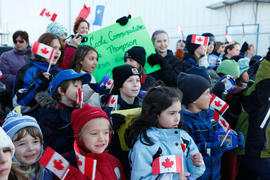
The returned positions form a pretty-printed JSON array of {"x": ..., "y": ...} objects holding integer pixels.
[
  {"x": 265, "y": 119},
  {"x": 64, "y": 176},
  {"x": 224, "y": 138},
  {"x": 50, "y": 64}
]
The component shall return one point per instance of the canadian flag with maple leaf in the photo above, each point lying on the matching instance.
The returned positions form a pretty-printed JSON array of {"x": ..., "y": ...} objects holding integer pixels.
[
  {"x": 55, "y": 163},
  {"x": 109, "y": 84},
  {"x": 43, "y": 50},
  {"x": 229, "y": 39},
  {"x": 86, "y": 165},
  {"x": 201, "y": 40},
  {"x": 80, "y": 97},
  {"x": 222, "y": 122},
  {"x": 46, "y": 13},
  {"x": 165, "y": 164},
  {"x": 218, "y": 104},
  {"x": 112, "y": 101}
]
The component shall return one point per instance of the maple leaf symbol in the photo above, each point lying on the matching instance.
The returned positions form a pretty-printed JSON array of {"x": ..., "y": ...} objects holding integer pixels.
[
  {"x": 44, "y": 51},
  {"x": 58, "y": 164},
  {"x": 183, "y": 147},
  {"x": 113, "y": 100},
  {"x": 78, "y": 160},
  {"x": 218, "y": 103},
  {"x": 109, "y": 82},
  {"x": 48, "y": 14},
  {"x": 199, "y": 39},
  {"x": 223, "y": 123},
  {"x": 167, "y": 163}
]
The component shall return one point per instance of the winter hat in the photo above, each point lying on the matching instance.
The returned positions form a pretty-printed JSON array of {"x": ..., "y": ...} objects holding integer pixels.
[
  {"x": 192, "y": 86},
  {"x": 67, "y": 74},
  {"x": 229, "y": 67},
  {"x": 243, "y": 65},
  {"x": 80, "y": 117},
  {"x": 15, "y": 121},
  {"x": 57, "y": 29},
  {"x": 137, "y": 53},
  {"x": 202, "y": 71},
  {"x": 6, "y": 141},
  {"x": 121, "y": 74},
  {"x": 244, "y": 47},
  {"x": 191, "y": 47},
  {"x": 210, "y": 35}
]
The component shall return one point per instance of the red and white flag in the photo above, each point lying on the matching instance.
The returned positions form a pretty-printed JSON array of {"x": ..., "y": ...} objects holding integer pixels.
[
  {"x": 50, "y": 15},
  {"x": 84, "y": 13},
  {"x": 43, "y": 50},
  {"x": 229, "y": 39},
  {"x": 109, "y": 84},
  {"x": 135, "y": 71},
  {"x": 86, "y": 165},
  {"x": 165, "y": 164},
  {"x": 1, "y": 74},
  {"x": 55, "y": 163},
  {"x": 112, "y": 101},
  {"x": 201, "y": 40},
  {"x": 218, "y": 104},
  {"x": 222, "y": 122},
  {"x": 80, "y": 97}
]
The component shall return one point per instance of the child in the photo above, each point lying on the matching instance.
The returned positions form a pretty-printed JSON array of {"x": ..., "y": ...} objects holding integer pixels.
[
  {"x": 198, "y": 118},
  {"x": 92, "y": 133},
  {"x": 85, "y": 60},
  {"x": 231, "y": 50},
  {"x": 55, "y": 111},
  {"x": 27, "y": 138},
  {"x": 157, "y": 132},
  {"x": 33, "y": 77},
  {"x": 169, "y": 64},
  {"x": 136, "y": 57},
  {"x": 244, "y": 77}
]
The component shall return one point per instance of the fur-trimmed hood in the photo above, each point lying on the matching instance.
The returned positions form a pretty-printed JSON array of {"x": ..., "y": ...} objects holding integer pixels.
[{"x": 45, "y": 100}]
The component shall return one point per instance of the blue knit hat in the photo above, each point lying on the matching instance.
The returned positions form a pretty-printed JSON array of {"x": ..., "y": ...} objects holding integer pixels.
[
  {"x": 57, "y": 29},
  {"x": 15, "y": 121},
  {"x": 243, "y": 64},
  {"x": 67, "y": 74}
]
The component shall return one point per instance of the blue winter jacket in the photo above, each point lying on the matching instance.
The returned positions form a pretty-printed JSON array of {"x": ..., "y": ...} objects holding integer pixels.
[{"x": 166, "y": 142}]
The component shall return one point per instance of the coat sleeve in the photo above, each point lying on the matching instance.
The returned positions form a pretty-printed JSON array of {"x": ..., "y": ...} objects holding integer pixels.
[
  {"x": 68, "y": 56},
  {"x": 8, "y": 77}
]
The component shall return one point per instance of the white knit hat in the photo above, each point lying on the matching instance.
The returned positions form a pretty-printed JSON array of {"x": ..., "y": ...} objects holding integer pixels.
[{"x": 6, "y": 141}]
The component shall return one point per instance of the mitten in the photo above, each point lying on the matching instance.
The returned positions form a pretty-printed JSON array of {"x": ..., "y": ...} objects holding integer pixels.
[
  {"x": 267, "y": 57},
  {"x": 241, "y": 140},
  {"x": 97, "y": 88},
  {"x": 123, "y": 20},
  {"x": 44, "y": 83},
  {"x": 154, "y": 59},
  {"x": 117, "y": 120}
]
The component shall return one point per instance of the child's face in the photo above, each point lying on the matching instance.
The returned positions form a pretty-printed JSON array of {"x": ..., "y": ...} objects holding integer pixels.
[
  {"x": 95, "y": 135},
  {"x": 69, "y": 98},
  {"x": 131, "y": 87},
  {"x": 200, "y": 51},
  {"x": 235, "y": 51},
  {"x": 161, "y": 43},
  {"x": 27, "y": 149},
  {"x": 56, "y": 45},
  {"x": 245, "y": 77},
  {"x": 89, "y": 63},
  {"x": 83, "y": 28},
  {"x": 203, "y": 101},
  {"x": 5, "y": 162},
  {"x": 210, "y": 47},
  {"x": 170, "y": 117},
  {"x": 132, "y": 62}
]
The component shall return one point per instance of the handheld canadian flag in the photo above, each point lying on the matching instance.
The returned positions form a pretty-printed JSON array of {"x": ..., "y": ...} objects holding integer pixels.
[
  {"x": 46, "y": 13},
  {"x": 218, "y": 104},
  {"x": 222, "y": 122},
  {"x": 112, "y": 101},
  {"x": 43, "y": 50},
  {"x": 1, "y": 74},
  {"x": 201, "y": 40},
  {"x": 55, "y": 163},
  {"x": 80, "y": 97},
  {"x": 165, "y": 164},
  {"x": 86, "y": 165},
  {"x": 110, "y": 84},
  {"x": 229, "y": 39}
]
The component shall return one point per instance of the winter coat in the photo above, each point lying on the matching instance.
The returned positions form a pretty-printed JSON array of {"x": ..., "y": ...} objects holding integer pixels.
[
  {"x": 68, "y": 56},
  {"x": 166, "y": 142},
  {"x": 202, "y": 128},
  {"x": 146, "y": 82},
  {"x": 30, "y": 78},
  {"x": 54, "y": 120},
  {"x": 10, "y": 63}
]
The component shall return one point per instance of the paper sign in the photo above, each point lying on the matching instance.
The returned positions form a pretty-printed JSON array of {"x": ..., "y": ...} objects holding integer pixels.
[{"x": 113, "y": 41}]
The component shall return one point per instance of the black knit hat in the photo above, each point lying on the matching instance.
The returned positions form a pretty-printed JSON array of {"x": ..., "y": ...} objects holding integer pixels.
[
  {"x": 121, "y": 74},
  {"x": 136, "y": 53},
  {"x": 190, "y": 46},
  {"x": 192, "y": 86}
]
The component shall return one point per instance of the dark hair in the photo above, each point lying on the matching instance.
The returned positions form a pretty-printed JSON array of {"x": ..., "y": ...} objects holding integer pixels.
[
  {"x": 230, "y": 47},
  {"x": 79, "y": 56},
  {"x": 77, "y": 24},
  {"x": 217, "y": 45},
  {"x": 23, "y": 34},
  {"x": 156, "y": 100},
  {"x": 64, "y": 86},
  {"x": 47, "y": 38}
]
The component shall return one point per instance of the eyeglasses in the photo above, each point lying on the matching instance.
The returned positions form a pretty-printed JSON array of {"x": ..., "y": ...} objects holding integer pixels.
[{"x": 18, "y": 41}]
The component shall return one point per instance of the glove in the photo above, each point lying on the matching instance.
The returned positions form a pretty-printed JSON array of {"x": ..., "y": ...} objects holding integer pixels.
[
  {"x": 123, "y": 20},
  {"x": 218, "y": 89},
  {"x": 241, "y": 140},
  {"x": 267, "y": 57},
  {"x": 154, "y": 59},
  {"x": 117, "y": 120},
  {"x": 44, "y": 83},
  {"x": 97, "y": 88}
]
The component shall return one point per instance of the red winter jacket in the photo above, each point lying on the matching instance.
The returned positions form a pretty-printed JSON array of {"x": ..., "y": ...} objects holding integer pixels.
[{"x": 68, "y": 56}]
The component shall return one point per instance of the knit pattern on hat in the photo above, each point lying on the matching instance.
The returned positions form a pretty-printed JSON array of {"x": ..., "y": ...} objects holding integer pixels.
[
  {"x": 6, "y": 141},
  {"x": 229, "y": 67},
  {"x": 56, "y": 28},
  {"x": 243, "y": 65},
  {"x": 137, "y": 53}
]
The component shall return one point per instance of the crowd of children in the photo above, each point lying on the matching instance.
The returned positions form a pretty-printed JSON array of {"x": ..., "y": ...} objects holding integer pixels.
[{"x": 177, "y": 128}]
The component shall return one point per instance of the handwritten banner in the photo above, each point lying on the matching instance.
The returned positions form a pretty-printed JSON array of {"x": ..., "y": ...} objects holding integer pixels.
[{"x": 113, "y": 41}]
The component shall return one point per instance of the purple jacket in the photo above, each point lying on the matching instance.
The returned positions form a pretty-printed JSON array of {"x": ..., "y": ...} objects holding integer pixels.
[{"x": 10, "y": 62}]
